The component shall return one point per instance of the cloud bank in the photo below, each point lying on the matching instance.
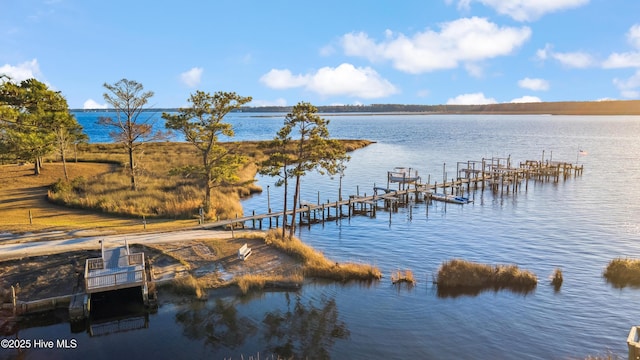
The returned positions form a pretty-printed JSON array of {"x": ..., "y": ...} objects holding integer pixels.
[
  {"x": 459, "y": 41},
  {"x": 23, "y": 71},
  {"x": 524, "y": 10},
  {"x": 344, "y": 80},
  {"x": 471, "y": 99},
  {"x": 92, "y": 104},
  {"x": 534, "y": 84}
]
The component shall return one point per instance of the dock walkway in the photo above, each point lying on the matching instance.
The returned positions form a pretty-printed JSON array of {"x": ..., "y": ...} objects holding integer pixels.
[{"x": 496, "y": 174}]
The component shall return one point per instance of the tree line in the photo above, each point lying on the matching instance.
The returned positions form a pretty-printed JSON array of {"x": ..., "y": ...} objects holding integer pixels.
[{"x": 36, "y": 122}]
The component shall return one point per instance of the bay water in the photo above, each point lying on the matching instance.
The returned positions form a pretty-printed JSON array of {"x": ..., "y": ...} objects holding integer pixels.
[{"x": 577, "y": 225}]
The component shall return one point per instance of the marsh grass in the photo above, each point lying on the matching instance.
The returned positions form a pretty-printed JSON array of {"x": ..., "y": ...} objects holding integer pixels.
[
  {"x": 557, "y": 278},
  {"x": 462, "y": 273},
  {"x": 250, "y": 282},
  {"x": 187, "y": 285},
  {"x": 623, "y": 272},
  {"x": 400, "y": 277},
  {"x": 316, "y": 265},
  {"x": 161, "y": 193}
]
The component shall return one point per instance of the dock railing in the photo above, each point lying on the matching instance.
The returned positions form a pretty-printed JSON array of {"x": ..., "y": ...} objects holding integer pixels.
[
  {"x": 119, "y": 278},
  {"x": 634, "y": 345}
]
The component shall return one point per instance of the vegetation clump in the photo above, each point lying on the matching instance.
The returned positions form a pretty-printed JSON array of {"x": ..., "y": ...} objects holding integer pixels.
[
  {"x": 557, "y": 279},
  {"x": 259, "y": 282},
  {"x": 623, "y": 272},
  {"x": 400, "y": 277},
  {"x": 462, "y": 273},
  {"x": 188, "y": 285},
  {"x": 316, "y": 265}
]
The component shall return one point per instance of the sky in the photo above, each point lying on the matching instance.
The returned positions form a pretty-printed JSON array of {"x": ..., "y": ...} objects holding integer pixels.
[{"x": 351, "y": 52}]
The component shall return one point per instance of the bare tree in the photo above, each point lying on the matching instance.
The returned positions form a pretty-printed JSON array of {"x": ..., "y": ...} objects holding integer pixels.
[{"x": 131, "y": 128}]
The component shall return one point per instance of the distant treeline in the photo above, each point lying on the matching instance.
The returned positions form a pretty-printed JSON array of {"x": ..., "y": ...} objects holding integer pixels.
[{"x": 614, "y": 107}]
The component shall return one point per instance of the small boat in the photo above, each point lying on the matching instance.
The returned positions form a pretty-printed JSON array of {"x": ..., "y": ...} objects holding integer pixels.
[
  {"x": 403, "y": 175},
  {"x": 450, "y": 198}
]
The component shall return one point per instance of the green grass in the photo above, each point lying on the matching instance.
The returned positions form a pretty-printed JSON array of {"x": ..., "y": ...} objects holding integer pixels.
[{"x": 462, "y": 273}]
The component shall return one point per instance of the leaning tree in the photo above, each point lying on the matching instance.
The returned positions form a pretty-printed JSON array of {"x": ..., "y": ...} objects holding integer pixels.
[{"x": 202, "y": 124}]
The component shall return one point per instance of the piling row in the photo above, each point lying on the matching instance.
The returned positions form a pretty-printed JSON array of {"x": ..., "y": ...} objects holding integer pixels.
[{"x": 495, "y": 174}]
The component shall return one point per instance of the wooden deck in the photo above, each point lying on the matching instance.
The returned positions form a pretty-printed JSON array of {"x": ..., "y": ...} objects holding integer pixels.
[
  {"x": 116, "y": 269},
  {"x": 496, "y": 174}
]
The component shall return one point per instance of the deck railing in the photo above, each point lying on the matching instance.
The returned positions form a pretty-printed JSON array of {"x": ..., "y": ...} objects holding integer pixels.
[
  {"x": 136, "y": 259},
  {"x": 118, "y": 280},
  {"x": 95, "y": 264}
]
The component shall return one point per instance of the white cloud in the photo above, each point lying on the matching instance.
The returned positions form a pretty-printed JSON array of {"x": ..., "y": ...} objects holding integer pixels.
[
  {"x": 283, "y": 79},
  {"x": 192, "y": 77},
  {"x": 526, "y": 99},
  {"x": 277, "y": 102},
  {"x": 525, "y": 10},
  {"x": 534, "y": 84},
  {"x": 92, "y": 104},
  {"x": 622, "y": 60},
  {"x": 463, "y": 40},
  {"x": 633, "y": 36},
  {"x": 629, "y": 88},
  {"x": 327, "y": 50},
  {"x": 474, "y": 70},
  {"x": 471, "y": 99},
  {"x": 626, "y": 59},
  {"x": 24, "y": 71},
  {"x": 576, "y": 59},
  {"x": 344, "y": 80}
]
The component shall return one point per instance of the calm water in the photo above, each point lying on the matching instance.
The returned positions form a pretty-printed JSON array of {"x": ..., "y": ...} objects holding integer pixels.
[{"x": 578, "y": 225}]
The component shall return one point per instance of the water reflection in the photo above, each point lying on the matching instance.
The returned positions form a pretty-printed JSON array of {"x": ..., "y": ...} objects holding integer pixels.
[
  {"x": 304, "y": 330},
  {"x": 217, "y": 323},
  {"x": 454, "y": 292}
]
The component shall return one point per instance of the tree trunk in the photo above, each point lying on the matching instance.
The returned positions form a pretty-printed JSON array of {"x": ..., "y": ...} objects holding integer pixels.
[
  {"x": 207, "y": 198},
  {"x": 296, "y": 194},
  {"x": 64, "y": 164},
  {"x": 284, "y": 213},
  {"x": 36, "y": 166},
  {"x": 131, "y": 167}
]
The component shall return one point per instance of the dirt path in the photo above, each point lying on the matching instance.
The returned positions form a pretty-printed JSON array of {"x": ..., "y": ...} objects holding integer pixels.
[{"x": 50, "y": 268}]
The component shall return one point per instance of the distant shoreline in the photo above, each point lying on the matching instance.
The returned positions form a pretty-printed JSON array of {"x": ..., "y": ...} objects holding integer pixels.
[{"x": 609, "y": 107}]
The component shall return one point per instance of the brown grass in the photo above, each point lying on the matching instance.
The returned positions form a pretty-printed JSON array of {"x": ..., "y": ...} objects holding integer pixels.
[
  {"x": 187, "y": 285},
  {"x": 462, "y": 273},
  {"x": 623, "y": 272},
  {"x": 98, "y": 197},
  {"x": 400, "y": 277},
  {"x": 316, "y": 265},
  {"x": 259, "y": 282},
  {"x": 557, "y": 278}
]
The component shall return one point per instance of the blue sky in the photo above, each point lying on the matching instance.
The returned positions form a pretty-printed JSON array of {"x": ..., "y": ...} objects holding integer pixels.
[{"x": 330, "y": 52}]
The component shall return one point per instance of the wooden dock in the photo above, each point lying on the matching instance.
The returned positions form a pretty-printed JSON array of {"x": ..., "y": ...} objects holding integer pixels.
[
  {"x": 495, "y": 174},
  {"x": 116, "y": 269}
]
